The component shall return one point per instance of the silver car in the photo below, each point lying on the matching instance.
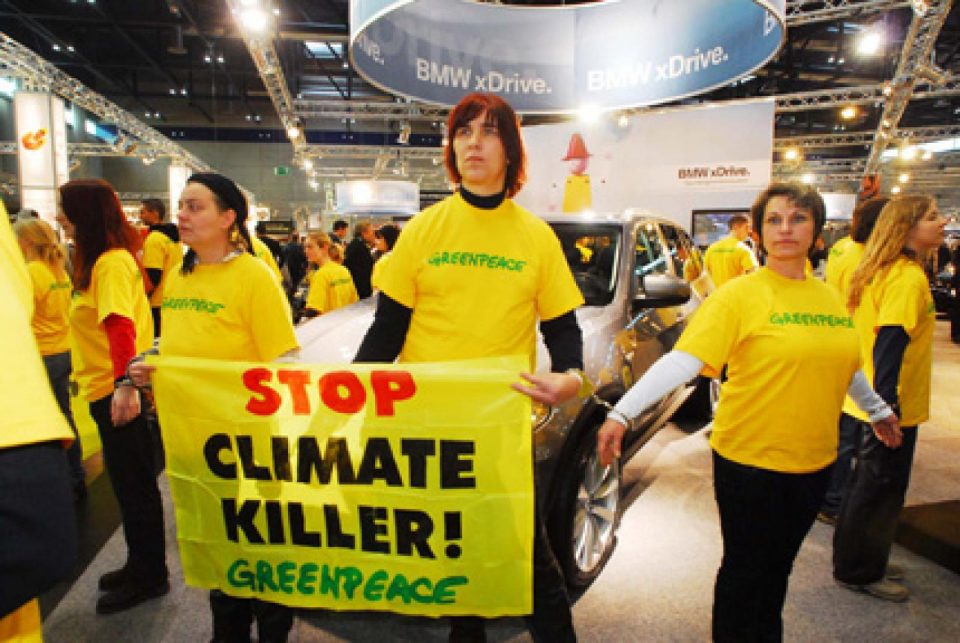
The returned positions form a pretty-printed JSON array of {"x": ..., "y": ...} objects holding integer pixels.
[{"x": 641, "y": 278}]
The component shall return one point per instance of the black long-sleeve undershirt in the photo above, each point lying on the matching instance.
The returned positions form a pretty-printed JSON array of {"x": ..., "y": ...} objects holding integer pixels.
[
  {"x": 888, "y": 350},
  {"x": 386, "y": 335}
]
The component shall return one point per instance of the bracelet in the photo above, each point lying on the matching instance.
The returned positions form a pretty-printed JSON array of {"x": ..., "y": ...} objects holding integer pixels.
[
  {"x": 586, "y": 387},
  {"x": 123, "y": 380},
  {"x": 617, "y": 416}
]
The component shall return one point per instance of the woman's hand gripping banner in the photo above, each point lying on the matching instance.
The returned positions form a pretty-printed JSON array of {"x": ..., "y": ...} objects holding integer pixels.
[{"x": 406, "y": 488}]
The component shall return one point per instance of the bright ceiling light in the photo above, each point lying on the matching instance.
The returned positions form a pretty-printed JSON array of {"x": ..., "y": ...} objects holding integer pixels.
[
  {"x": 908, "y": 153},
  {"x": 869, "y": 42},
  {"x": 791, "y": 154},
  {"x": 623, "y": 121},
  {"x": 927, "y": 155},
  {"x": 808, "y": 178},
  {"x": 295, "y": 130},
  {"x": 895, "y": 189},
  {"x": 308, "y": 164},
  {"x": 904, "y": 177},
  {"x": 254, "y": 19},
  {"x": 849, "y": 112},
  {"x": 589, "y": 114}
]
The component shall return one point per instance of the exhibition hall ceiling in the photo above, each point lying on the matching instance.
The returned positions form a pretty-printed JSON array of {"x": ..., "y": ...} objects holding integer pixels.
[{"x": 183, "y": 67}]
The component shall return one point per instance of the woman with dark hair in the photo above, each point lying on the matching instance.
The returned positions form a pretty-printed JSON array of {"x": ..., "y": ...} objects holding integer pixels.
[
  {"x": 895, "y": 316},
  {"x": 248, "y": 319},
  {"x": 786, "y": 340},
  {"x": 435, "y": 304},
  {"x": 843, "y": 259},
  {"x": 385, "y": 238},
  {"x": 110, "y": 323}
]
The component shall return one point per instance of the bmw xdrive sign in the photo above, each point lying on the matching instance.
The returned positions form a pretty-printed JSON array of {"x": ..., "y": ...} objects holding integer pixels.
[{"x": 613, "y": 54}]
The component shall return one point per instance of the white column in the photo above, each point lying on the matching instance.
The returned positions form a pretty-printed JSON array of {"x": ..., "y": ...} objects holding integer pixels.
[
  {"x": 177, "y": 176},
  {"x": 41, "y": 151}
]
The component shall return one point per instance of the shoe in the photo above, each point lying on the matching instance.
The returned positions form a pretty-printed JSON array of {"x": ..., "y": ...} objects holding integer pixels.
[
  {"x": 827, "y": 518},
  {"x": 894, "y": 572},
  {"x": 129, "y": 595},
  {"x": 112, "y": 581},
  {"x": 886, "y": 590}
]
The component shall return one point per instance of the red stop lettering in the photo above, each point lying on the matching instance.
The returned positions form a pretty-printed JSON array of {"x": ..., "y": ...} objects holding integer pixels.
[
  {"x": 330, "y": 392},
  {"x": 255, "y": 379},
  {"x": 390, "y": 387},
  {"x": 297, "y": 382}
]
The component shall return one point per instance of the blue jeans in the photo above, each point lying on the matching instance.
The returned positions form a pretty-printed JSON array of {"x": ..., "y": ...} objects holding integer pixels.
[{"x": 58, "y": 372}]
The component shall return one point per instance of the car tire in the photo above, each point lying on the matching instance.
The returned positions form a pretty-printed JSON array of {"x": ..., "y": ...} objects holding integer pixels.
[
  {"x": 699, "y": 407},
  {"x": 584, "y": 520}
]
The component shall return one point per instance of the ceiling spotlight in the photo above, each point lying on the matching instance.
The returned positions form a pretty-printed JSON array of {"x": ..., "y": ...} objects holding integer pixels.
[
  {"x": 70, "y": 48},
  {"x": 404, "y": 136},
  {"x": 870, "y": 42},
  {"x": 173, "y": 92},
  {"x": 831, "y": 59},
  {"x": 254, "y": 19},
  {"x": 55, "y": 47},
  {"x": 904, "y": 177},
  {"x": 895, "y": 189},
  {"x": 791, "y": 154},
  {"x": 207, "y": 58},
  {"x": 220, "y": 58},
  {"x": 849, "y": 112},
  {"x": 908, "y": 152},
  {"x": 808, "y": 178},
  {"x": 295, "y": 130},
  {"x": 307, "y": 164},
  {"x": 183, "y": 91},
  {"x": 249, "y": 117},
  {"x": 927, "y": 155},
  {"x": 345, "y": 65},
  {"x": 257, "y": 117}
]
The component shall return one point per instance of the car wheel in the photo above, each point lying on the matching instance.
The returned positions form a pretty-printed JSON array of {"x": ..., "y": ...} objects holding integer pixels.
[
  {"x": 699, "y": 407},
  {"x": 584, "y": 522}
]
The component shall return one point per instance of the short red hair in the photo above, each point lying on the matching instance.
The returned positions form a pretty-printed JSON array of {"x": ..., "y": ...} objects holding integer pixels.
[{"x": 499, "y": 112}]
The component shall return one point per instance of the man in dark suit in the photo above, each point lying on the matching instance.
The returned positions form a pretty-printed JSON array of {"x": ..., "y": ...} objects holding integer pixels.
[{"x": 358, "y": 260}]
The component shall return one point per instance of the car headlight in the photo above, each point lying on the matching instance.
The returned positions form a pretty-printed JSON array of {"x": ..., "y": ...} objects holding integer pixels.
[{"x": 541, "y": 415}]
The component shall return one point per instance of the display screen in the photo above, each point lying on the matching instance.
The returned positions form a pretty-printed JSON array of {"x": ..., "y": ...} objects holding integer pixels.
[{"x": 712, "y": 225}]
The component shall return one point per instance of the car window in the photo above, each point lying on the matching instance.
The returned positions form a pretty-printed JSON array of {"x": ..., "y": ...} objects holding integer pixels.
[
  {"x": 591, "y": 251},
  {"x": 650, "y": 259},
  {"x": 685, "y": 257}
]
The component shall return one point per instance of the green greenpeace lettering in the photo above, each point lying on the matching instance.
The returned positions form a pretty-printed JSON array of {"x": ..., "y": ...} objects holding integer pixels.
[
  {"x": 311, "y": 578},
  {"x": 192, "y": 303},
  {"x": 476, "y": 259},
  {"x": 808, "y": 319}
]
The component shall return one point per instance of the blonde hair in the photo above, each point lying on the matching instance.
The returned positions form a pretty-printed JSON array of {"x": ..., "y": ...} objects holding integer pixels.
[
  {"x": 41, "y": 244},
  {"x": 322, "y": 239},
  {"x": 887, "y": 242}
]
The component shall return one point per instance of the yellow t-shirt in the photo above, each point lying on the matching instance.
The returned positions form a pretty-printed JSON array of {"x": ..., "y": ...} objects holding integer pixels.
[
  {"x": 116, "y": 288},
  {"x": 900, "y": 297},
  {"x": 22, "y": 625},
  {"x": 378, "y": 270},
  {"x": 30, "y": 413},
  {"x": 51, "y": 308},
  {"x": 331, "y": 287},
  {"x": 728, "y": 258},
  {"x": 477, "y": 281},
  {"x": 160, "y": 252},
  {"x": 233, "y": 310},
  {"x": 791, "y": 351},
  {"x": 843, "y": 259},
  {"x": 262, "y": 251}
]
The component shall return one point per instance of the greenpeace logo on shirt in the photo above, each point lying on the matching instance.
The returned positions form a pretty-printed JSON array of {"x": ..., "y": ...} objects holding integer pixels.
[
  {"x": 60, "y": 285},
  {"x": 478, "y": 259},
  {"x": 341, "y": 282},
  {"x": 807, "y": 319},
  {"x": 192, "y": 303}
]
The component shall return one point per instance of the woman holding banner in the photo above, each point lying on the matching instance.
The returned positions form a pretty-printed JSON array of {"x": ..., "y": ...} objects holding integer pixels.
[
  {"x": 110, "y": 322},
  {"x": 429, "y": 310},
  {"x": 248, "y": 321},
  {"x": 786, "y": 339}
]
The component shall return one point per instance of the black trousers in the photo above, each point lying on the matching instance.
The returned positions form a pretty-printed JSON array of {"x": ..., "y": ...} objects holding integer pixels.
[
  {"x": 232, "y": 618},
  {"x": 764, "y": 517},
  {"x": 129, "y": 457},
  {"x": 38, "y": 530},
  {"x": 846, "y": 450},
  {"x": 871, "y": 507},
  {"x": 551, "y": 620},
  {"x": 58, "y": 372}
]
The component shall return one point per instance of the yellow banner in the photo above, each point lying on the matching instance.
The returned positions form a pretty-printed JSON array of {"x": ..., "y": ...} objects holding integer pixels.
[{"x": 406, "y": 488}]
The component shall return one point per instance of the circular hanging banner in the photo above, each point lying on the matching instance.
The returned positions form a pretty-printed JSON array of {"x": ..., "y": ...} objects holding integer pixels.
[{"x": 609, "y": 55}]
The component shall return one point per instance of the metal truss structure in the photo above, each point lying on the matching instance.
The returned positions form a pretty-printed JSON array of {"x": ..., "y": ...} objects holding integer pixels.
[
  {"x": 802, "y": 12},
  {"x": 848, "y": 139},
  {"x": 369, "y": 110},
  {"x": 860, "y": 95},
  {"x": 921, "y": 37}
]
